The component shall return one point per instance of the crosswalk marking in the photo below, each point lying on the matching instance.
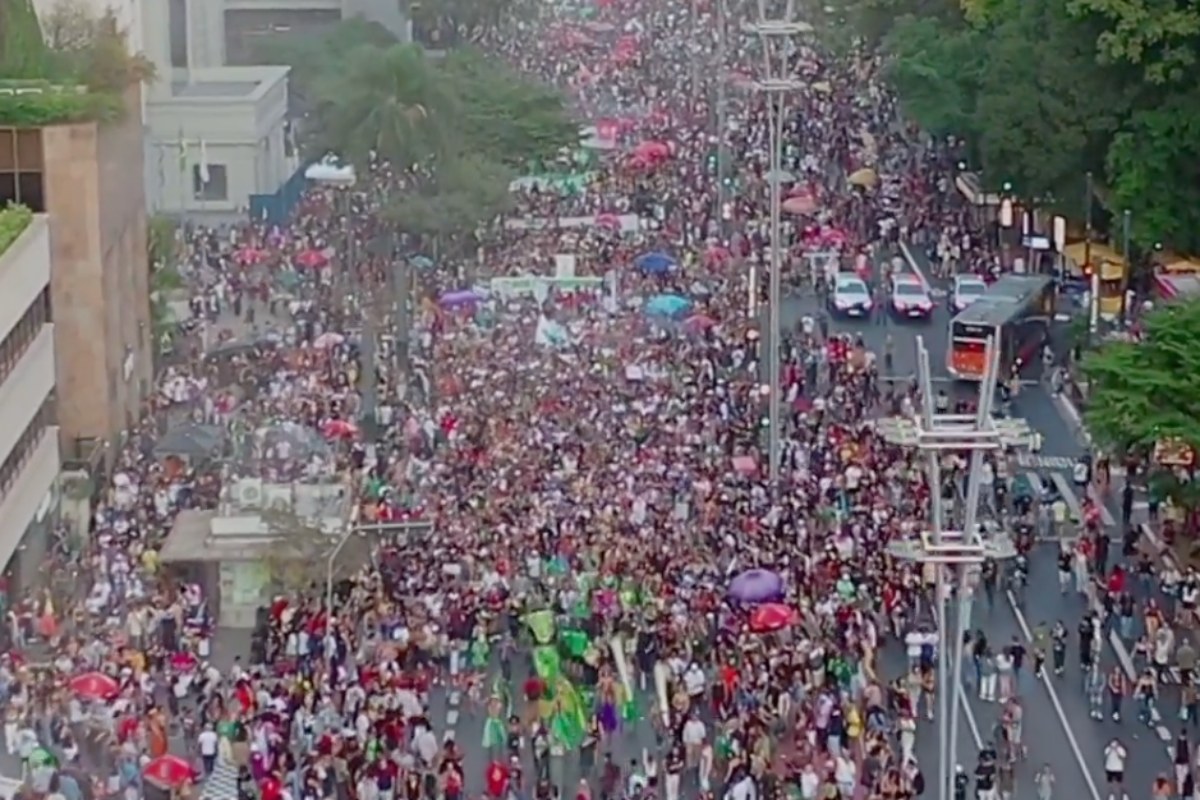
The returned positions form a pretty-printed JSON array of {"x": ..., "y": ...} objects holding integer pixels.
[
  {"x": 1035, "y": 461},
  {"x": 1035, "y": 483},
  {"x": 1068, "y": 494}
]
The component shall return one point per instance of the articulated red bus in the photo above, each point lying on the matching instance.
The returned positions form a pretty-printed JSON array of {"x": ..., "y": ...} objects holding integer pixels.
[{"x": 1015, "y": 312}]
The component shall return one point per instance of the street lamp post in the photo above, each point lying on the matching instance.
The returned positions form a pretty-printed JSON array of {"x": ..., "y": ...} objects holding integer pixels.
[
  {"x": 775, "y": 36},
  {"x": 329, "y": 172},
  {"x": 956, "y": 554}
]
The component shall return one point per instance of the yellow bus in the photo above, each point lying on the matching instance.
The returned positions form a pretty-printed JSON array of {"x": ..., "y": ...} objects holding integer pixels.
[{"x": 1110, "y": 267}]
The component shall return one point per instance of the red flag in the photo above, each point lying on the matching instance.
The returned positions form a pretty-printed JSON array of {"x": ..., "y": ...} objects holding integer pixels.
[{"x": 497, "y": 779}]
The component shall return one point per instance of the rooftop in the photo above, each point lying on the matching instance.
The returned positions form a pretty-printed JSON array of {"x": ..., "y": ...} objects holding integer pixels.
[
  {"x": 13, "y": 222},
  {"x": 214, "y": 89}
]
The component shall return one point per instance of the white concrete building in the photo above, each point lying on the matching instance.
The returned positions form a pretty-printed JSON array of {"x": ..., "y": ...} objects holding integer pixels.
[{"x": 29, "y": 455}]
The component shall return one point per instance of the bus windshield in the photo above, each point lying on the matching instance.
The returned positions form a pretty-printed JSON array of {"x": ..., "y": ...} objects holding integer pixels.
[{"x": 968, "y": 348}]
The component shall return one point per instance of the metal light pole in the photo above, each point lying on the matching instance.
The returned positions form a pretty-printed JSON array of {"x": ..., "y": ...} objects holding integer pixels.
[
  {"x": 722, "y": 110},
  {"x": 955, "y": 553},
  {"x": 775, "y": 35},
  {"x": 1126, "y": 231}
]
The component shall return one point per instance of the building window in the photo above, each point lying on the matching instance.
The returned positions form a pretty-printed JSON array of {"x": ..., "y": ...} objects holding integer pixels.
[
  {"x": 215, "y": 188},
  {"x": 21, "y": 168},
  {"x": 28, "y": 441},
  {"x": 179, "y": 29},
  {"x": 23, "y": 333}
]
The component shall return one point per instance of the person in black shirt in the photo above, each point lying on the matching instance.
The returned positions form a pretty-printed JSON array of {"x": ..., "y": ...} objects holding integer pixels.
[
  {"x": 1087, "y": 632},
  {"x": 1058, "y": 647},
  {"x": 674, "y": 767},
  {"x": 962, "y": 782}
]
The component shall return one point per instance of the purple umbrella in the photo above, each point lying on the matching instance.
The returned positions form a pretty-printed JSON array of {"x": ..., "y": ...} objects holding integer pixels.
[
  {"x": 757, "y": 586},
  {"x": 463, "y": 297}
]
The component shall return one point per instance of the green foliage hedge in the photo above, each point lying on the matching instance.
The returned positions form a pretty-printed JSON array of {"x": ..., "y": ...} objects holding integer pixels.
[
  {"x": 14, "y": 220},
  {"x": 35, "y": 110}
]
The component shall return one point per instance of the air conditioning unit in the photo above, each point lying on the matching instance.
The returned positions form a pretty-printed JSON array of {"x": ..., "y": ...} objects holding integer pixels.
[{"x": 250, "y": 493}]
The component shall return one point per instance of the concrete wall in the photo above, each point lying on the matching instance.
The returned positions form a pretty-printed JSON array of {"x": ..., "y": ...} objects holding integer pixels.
[
  {"x": 99, "y": 284},
  {"x": 244, "y": 134},
  {"x": 24, "y": 273}
]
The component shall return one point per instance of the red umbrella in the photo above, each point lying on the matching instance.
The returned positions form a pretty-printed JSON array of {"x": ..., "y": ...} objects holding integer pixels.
[
  {"x": 652, "y": 151},
  {"x": 94, "y": 686},
  {"x": 771, "y": 617},
  {"x": 169, "y": 772},
  {"x": 311, "y": 259},
  {"x": 339, "y": 429}
]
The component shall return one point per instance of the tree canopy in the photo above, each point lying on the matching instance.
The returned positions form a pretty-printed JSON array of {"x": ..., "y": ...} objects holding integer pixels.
[
  {"x": 1044, "y": 91},
  {"x": 1140, "y": 393},
  {"x": 450, "y": 133}
]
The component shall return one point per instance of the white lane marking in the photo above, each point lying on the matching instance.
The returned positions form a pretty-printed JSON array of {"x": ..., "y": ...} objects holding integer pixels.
[
  {"x": 1058, "y": 709},
  {"x": 912, "y": 265},
  {"x": 1035, "y": 483},
  {"x": 1068, "y": 495},
  {"x": 965, "y": 702}
]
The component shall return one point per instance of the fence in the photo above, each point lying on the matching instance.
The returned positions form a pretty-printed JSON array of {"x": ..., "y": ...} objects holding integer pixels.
[{"x": 275, "y": 208}]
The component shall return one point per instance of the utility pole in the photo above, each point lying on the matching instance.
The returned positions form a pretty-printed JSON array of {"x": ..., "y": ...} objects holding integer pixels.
[
  {"x": 722, "y": 111},
  {"x": 956, "y": 554},
  {"x": 775, "y": 35},
  {"x": 403, "y": 277}
]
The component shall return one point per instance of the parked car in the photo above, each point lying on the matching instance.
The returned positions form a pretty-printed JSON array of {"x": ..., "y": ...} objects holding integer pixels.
[
  {"x": 851, "y": 296},
  {"x": 967, "y": 289},
  {"x": 910, "y": 299}
]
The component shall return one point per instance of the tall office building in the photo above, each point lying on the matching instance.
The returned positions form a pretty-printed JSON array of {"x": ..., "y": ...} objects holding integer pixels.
[{"x": 29, "y": 448}]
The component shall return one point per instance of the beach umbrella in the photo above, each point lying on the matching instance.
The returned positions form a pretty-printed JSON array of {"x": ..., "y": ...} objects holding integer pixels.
[
  {"x": 757, "y": 586},
  {"x": 800, "y": 204},
  {"x": 328, "y": 339},
  {"x": 667, "y": 305},
  {"x": 655, "y": 263},
  {"x": 94, "y": 686},
  {"x": 771, "y": 617}
]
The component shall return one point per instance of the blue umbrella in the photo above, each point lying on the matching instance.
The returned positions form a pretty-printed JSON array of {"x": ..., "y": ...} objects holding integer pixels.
[
  {"x": 421, "y": 262},
  {"x": 667, "y": 305},
  {"x": 655, "y": 263}
]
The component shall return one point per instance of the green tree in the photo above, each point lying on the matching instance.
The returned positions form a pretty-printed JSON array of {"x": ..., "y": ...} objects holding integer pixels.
[
  {"x": 934, "y": 66},
  {"x": 1140, "y": 393},
  {"x": 1160, "y": 36},
  {"x": 505, "y": 116},
  {"x": 392, "y": 102},
  {"x": 312, "y": 55},
  {"x": 1045, "y": 109},
  {"x": 23, "y": 52},
  {"x": 1151, "y": 168}
]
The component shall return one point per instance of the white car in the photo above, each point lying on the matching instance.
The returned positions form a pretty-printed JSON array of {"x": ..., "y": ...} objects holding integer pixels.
[
  {"x": 851, "y": 296},
  {"x": 910, "y": 300},
  {"x": 967, "y": 289}
]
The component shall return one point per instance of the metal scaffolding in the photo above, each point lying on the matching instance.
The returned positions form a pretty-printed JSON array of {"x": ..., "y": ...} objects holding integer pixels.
[
  {"x": 956, "y": 554},
  {"x": 776, "y": 32}
]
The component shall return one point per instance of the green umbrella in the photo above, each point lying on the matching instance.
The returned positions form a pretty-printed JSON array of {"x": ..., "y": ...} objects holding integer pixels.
[{"x": 42, "y": 757}]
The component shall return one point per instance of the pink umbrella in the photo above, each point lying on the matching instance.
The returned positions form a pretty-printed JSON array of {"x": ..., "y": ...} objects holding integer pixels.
[
  {"x": 745, "y": 465},
  {"x": 611, "y": 221},
  {"x": 698, "y": 323},
  {"x": 183, "y": 661},
  {"x": 311, "y": 259},
  {"x": 800, "y": 204},
  {"x": 249, "y": 255},
  {"x": 716, "y": 256}
]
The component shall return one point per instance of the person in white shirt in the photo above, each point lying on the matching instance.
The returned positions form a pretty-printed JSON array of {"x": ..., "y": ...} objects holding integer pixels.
[
  {"x": 810, "y": 783},
  {"x": 209, "y": 743},
  {"x": 1114, "y": 769},
  {"x": 694, "y": 732}
]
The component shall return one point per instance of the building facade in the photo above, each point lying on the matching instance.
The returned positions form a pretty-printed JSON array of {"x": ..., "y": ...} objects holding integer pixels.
[
  {"x": 88, "y": 179},
  {"x": 29, "y": 446}
]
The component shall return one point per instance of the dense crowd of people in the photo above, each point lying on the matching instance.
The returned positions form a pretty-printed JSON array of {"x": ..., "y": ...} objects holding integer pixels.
[{"x": 609, "y": 595}]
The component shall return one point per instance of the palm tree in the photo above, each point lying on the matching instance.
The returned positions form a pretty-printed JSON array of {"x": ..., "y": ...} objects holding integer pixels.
[{"x": 391, "y": 102}]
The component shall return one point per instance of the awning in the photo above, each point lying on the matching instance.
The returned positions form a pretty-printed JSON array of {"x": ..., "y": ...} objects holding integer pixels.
[{"x": 1109, "y": 262}]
